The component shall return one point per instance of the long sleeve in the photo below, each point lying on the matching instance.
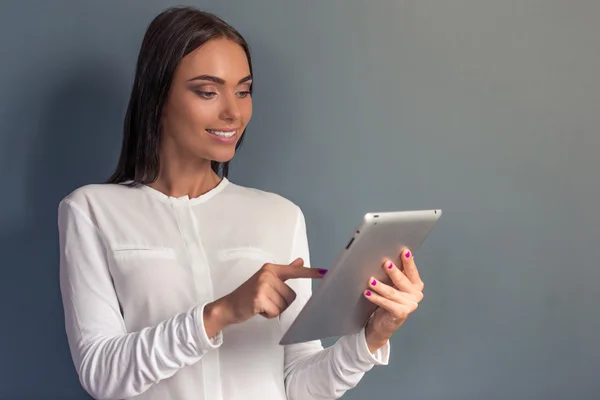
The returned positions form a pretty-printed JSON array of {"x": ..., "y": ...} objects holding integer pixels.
[
  {"x": 112, "y": 363},
  {"x": 312, "y": 372}
]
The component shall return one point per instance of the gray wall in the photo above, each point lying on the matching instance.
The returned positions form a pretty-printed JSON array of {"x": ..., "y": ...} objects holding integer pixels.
[{"x": 487, "y": 109}]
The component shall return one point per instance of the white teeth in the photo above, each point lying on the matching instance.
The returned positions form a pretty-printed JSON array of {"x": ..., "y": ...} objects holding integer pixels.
[{"x": 222, "y": 133}]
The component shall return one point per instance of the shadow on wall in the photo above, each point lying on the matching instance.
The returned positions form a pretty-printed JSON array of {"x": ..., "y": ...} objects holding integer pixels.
[{"x": 76, "y": 142}]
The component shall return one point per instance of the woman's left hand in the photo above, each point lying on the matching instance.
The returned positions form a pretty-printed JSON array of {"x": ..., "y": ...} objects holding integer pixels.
[{"x": 395, "y": 303}]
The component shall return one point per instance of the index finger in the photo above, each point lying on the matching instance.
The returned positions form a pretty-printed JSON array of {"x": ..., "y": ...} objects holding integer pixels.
[{"x": 298, "y": 270}]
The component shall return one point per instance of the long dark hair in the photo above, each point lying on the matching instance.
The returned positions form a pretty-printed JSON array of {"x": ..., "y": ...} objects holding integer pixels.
[{"x": 172, "y": 35}]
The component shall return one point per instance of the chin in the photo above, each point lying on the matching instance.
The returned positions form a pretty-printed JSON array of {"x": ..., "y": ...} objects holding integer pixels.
[{"x": 222, "y": 156}]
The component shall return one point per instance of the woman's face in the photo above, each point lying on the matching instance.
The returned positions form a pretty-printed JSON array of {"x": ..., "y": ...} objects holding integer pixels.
[{"x": 209, "y": 104}]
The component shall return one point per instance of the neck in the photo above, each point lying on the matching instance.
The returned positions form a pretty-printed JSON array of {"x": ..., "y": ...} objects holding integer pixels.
[{"x": 178, "y": 179}]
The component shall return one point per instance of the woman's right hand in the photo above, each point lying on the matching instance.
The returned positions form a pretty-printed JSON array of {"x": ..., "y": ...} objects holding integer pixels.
[{"x": 265, "y": 293}]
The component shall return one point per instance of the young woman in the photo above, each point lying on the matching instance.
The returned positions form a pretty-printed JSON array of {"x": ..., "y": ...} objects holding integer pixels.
[{"x": 178, "y": 284}]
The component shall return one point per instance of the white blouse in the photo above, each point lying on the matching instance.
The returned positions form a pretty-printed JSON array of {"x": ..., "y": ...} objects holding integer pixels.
[{"x": 137, "y": 268}]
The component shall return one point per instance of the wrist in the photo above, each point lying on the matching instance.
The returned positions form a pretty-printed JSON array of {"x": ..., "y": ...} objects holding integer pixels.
[
  {"x": 215, "y": 317},
  {"x": 374, "y": 344},
  {"x": 374, "y": 339}
]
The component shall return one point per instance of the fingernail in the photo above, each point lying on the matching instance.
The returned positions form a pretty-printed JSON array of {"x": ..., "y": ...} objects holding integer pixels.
[
  {"x": 322, "y": 271},
  {"x": 374, "y": 282},
  {"x": 390, "y": 265},
  {"x": 407, "y": 255},
  {"x": 368, "y": 293}
]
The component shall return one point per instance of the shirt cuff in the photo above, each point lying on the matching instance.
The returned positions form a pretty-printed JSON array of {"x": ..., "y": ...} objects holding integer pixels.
[
  {"x": 204, "y": 342},
  {"x": 380, "y": 357}
]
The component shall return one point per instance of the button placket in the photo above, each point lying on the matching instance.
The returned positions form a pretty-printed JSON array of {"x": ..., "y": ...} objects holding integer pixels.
[
  {"x": 204, "y": 290},
  {"x": 198, "y": 267}
]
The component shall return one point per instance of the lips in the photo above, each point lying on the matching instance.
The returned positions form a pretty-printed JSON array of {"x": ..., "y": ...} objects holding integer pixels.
[{"x": 225, "y": 133}]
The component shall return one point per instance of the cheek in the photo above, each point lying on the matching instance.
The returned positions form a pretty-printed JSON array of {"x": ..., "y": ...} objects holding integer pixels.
[
  {"x": 203, "y": 114},
  {"x": 246, "y": 111},
  {"x": 183, "y": 111},
  {"x": 197, "y": 113}
]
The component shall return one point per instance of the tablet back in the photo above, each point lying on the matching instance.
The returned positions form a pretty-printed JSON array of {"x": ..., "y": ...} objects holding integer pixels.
[{"x": 337, "y": 306}]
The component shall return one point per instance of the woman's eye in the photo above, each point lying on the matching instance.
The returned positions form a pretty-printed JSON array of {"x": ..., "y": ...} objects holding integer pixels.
[
  {"x": 206, "y": 95},
  {"x": 244, "y": 94}
]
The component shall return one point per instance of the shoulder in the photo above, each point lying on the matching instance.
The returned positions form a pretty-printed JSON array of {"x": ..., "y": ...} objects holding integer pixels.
[
  {"x": 88, "y": 197},
  {"x": 262, "y": 201}
]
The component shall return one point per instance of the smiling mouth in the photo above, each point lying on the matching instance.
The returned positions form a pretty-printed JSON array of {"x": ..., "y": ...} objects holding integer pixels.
[{"x": 224, "y": 134}]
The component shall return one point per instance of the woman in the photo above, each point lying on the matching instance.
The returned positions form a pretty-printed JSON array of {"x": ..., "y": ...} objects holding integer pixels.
[{"x": 178, "y": 284}]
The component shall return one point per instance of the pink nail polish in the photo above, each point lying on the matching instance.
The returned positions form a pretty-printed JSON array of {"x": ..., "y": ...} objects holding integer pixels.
[
  {"x": 322, "y": 271},
  {"x": 407, "y": 255},
  {"x": 374, "y": 282},
  {"x": 390, "y": 265},
  {"x": 368, "y": 293}
]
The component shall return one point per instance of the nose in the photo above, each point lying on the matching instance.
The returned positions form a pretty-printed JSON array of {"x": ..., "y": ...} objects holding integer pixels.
[{"x": 230, "y": 110}]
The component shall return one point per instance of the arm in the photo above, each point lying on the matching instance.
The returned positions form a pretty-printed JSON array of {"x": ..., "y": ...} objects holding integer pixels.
[
  {"x": 112, "y": 363},
  {"x": 312, "y": 372}
]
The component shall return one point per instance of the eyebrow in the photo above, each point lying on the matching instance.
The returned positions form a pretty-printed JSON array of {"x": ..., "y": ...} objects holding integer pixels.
[{"x": 218, "y": 80}]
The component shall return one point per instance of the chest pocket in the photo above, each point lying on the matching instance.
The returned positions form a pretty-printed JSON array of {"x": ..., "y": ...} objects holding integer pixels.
[
  {"x": 145, "y": 268},
  {"x": 124, "y": 253}
]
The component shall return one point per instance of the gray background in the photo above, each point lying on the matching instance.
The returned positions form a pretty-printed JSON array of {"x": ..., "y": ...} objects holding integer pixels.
[{"x": 487, "y": 109}]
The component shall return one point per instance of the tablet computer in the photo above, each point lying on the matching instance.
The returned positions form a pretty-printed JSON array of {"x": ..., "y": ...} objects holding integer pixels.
[{"x": 337, "y": 306}]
